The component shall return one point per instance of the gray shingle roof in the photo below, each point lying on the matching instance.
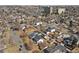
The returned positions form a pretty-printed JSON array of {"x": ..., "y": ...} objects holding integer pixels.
[{"x": 36, "y": 36}]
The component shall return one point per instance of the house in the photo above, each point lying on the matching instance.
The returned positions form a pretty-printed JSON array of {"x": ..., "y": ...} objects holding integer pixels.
[
  {"x": 45, "y": 10},
  {"x": 77, "y": 37},
  {"x": 38, "y": 23},
  {"x": 39, "y": 39},
  {"x": 23, "y": 26},
  {"x": 55, "y": 49},
  {"x": 70, "y": 42},
  {"x": 50, "y": 30},
  {"x": 36, "y": 36}
]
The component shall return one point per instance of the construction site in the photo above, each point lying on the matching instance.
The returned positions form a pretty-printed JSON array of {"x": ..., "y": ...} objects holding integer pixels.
[{"x": 39, "y": 29}]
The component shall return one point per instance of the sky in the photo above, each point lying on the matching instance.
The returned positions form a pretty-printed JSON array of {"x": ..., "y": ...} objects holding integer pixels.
[{"x": 39, "y": 2}]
